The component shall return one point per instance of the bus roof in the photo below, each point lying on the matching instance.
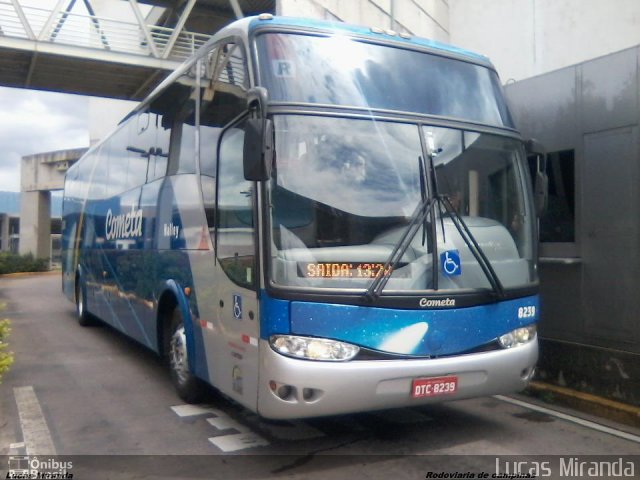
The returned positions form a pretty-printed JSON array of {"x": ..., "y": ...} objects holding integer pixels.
[{"x": 359, "y": 30}]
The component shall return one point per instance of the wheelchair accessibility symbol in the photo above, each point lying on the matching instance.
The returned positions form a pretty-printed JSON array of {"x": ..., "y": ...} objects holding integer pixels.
[
  {"x": 450, "y": 262},
  {"x": 237, "y": 307}
]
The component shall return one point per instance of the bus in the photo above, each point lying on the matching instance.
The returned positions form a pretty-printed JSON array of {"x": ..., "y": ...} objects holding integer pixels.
[{"x": 314, "y": 218}]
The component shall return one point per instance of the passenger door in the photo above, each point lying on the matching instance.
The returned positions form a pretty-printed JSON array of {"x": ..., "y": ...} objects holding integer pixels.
[{"x": 229, "y": 205}]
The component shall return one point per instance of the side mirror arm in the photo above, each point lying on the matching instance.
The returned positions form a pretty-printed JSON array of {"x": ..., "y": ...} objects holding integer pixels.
[
  {"x": 257, "y": 99},
  {"x": 541, "y": 181}
]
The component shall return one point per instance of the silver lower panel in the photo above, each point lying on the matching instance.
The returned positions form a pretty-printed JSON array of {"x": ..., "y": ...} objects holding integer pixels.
[{"x": 327, "y": 388}]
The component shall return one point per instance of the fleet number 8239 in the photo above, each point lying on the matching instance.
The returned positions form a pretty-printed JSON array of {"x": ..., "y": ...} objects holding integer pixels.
[{"x": 527, "y": 312}]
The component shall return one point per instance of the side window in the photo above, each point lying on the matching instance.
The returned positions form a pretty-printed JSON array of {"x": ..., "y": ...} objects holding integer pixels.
[
  {"x": 173, "y": 108},
  {"x": 99, "y": 175},
  {"x": 117, "y": 157},
  {"x": 161, "y": 155},
  {"x": 180, "y": 112},
  {"x": 224, "y": 98},
  {"x": 141, "y": 139},
  {"x": 183, "y": 154},
  {"x": 85, "y": 170},
  {"x": 234, "y": 219},
  {"x": 226, "y": 94},
  {"x": 557, "y": 224}
]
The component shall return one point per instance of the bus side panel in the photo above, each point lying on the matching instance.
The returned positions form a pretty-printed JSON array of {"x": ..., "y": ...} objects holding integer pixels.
[
  {"x": 225, "y": 338},
  {"x": 89, "y": 262},
  {"x": 178, "y": 233},
  {"x": 128, "y": 283},
  {"x": 238, "y": 365},
  {"x": 71, "y": 216}
]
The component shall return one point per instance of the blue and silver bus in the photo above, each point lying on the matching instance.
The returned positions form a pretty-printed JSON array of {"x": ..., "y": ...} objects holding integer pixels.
[{"x": 315, "y": 219}]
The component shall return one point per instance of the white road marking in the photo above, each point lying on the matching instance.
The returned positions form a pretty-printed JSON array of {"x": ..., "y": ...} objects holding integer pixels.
[
  {"x": 223, "y": 422},
  {"x": 239, "y": 441},
  {"x": 245, "y": 438},
  {"x": 193, "y": 410},
  {"x": 570, "y": 418},
  {"x": 15, "y": 448},
  {"x": 35, "y": 432},
  {"x": 231, "y": 442}
]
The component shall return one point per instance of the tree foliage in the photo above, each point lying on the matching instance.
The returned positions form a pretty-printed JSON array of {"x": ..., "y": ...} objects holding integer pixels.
[{"x": 12, "y": 263}]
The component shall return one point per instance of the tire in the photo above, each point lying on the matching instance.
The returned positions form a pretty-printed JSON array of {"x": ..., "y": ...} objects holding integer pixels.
[
  {"x": 188, "y": 386},
  {"x": 84, "y": 317}
]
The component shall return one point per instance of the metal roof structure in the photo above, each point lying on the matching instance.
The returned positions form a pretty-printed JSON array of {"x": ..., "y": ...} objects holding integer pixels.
[{"x": 71, "y": 49}]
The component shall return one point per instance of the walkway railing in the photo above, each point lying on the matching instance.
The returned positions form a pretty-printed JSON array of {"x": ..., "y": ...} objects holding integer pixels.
[{"x": 90, "y": 31}]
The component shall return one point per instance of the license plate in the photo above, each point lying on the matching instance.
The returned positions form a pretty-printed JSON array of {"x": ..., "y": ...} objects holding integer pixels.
[{"x": 433, "y": 387}]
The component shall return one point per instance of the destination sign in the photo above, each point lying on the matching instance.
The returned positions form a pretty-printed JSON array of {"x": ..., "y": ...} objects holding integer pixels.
[{"x": 345, "y": 270}]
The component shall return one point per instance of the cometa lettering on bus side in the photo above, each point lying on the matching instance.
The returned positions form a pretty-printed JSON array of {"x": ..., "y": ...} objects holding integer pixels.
[
  {"x": 125, "y": 225},
  {"x": 437, "y": 302}
]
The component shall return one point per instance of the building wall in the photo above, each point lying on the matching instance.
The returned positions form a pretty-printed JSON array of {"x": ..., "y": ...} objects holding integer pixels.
[
  {"x": 426, "y": 18},
  {"x": 524, "y": 38},
  {"x": 589, "y": 317},
  {"x": 592, "y": 109}
]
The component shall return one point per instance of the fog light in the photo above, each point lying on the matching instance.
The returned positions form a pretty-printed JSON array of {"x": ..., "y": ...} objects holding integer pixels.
[
  {"x": 518, "y": 337},
  {"x": 284, "y": 391},
  {"x": 313, "y": 348}
]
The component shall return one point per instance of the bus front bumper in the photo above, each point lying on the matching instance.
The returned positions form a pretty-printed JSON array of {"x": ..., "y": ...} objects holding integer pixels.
[{"x": 293, "y": 388}]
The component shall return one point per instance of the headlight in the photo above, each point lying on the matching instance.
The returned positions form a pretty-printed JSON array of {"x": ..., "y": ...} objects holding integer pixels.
[
  {"x": 518, "y": 337},
  {"x": 313, "y": 348}
]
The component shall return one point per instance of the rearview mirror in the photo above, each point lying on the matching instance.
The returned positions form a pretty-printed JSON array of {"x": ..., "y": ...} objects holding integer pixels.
[
  {"x": 258, "y": 149},
  {"x": 258, "y": 138}
]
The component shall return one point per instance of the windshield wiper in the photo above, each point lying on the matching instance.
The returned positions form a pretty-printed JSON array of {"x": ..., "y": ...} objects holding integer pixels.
[
  {"x": 464, "y": 232},
  {"x": 473, "y": 246},
  {"x": 418, "y": 219}
]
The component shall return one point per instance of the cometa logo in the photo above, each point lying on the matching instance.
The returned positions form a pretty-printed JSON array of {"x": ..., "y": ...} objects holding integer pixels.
[
  {"x": 440, "y": 302},
  {"x": 125, "y": 225}
]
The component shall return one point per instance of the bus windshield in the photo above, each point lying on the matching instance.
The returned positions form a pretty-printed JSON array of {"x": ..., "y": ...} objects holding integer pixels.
[
  {"x": 341, "y": 71},
  {"x": 343, "y": 192}
]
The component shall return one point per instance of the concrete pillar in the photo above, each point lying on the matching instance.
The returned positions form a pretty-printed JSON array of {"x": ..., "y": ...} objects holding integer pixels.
[
  {"x": 35, "y": 224},
  {"x": 4, "y": 232}
]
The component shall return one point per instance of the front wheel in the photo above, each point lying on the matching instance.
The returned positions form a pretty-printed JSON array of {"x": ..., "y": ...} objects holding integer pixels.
[{"x": 188, "y": 386}]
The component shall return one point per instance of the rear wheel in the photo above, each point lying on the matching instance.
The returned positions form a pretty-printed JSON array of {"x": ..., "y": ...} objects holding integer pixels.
[
  {"x": 189, "y": 387},
  {"x": 84, "y": 317}
]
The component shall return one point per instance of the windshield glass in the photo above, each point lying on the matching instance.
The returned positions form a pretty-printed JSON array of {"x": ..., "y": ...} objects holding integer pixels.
[
  {"x": 343, "y": 192},
  {"x": 483, "y": 178},
  {"x": 339, "y": 70}
]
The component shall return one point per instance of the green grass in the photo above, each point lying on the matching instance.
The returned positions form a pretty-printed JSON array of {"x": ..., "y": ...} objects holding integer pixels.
[{"x": 6, "y": 357}]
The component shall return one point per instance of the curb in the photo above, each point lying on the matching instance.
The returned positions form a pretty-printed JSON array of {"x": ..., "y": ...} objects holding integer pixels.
[
  {"x": 587, "y": 403},
  {"x": 27, "y": 274}
]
